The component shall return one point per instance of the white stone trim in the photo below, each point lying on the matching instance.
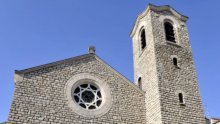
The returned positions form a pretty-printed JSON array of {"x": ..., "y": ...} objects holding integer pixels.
[
  {"x": 105, "y": 91},
  {"x": 18, "y": 77}
]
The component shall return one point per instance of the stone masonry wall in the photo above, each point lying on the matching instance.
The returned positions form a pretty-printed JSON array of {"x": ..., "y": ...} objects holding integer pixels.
[
  {"x": 145, "y": 67},
  {"x": 172, "y": 79},
  {"x": 161, "y": 79},
  {"x": 40, "y": 97}
]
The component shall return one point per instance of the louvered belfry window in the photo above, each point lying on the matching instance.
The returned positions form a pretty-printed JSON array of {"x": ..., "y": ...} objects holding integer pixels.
[{"x": 169, "y": 32}]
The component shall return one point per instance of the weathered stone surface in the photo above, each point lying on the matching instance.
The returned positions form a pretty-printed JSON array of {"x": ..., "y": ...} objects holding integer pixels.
[
  {"x": 41, "y": 92},
  {"x": 40, "y": 97},
  {"x": 161, "y": 79}
]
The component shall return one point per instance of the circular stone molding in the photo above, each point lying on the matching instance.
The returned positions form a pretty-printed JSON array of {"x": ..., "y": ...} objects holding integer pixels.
[{"x": 87, "y": 95}]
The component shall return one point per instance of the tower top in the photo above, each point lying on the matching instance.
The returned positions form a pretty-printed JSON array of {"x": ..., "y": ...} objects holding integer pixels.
[{"x": 157, "y": 9}]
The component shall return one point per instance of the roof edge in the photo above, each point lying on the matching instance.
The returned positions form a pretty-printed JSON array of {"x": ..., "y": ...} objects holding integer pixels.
[
  {"x": 158, "y": 9},
  {"x": 52, "y": 64},
  {"x": 120, "y": 75},
  {"x": 20, "y": 73}
]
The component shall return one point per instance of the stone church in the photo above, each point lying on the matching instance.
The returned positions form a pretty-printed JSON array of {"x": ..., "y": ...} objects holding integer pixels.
[{"x": 86, "y": 90}]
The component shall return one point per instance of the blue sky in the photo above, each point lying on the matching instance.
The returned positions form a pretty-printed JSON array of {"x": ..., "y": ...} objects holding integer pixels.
[{"x": 35, "y": 32}]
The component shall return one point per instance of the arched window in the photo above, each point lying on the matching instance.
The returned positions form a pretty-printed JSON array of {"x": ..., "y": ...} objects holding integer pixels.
[
  {"x": 175, "y": 61},
  {"x": 169, "y": 31},
  {"x": 143, "y": 39},
  {"x": 181, "y": 101},
  {"x": 139, "y": 83}
]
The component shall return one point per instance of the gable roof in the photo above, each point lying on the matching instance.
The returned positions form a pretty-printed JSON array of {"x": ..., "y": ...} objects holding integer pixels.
[
  {"x": 52, "y": 64},
  {"x": 19, "y": 73},
  {"x": 157, "y": 9}
]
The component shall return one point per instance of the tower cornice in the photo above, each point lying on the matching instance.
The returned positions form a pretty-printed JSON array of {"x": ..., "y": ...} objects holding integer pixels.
[{"x": 157, "y": 9}]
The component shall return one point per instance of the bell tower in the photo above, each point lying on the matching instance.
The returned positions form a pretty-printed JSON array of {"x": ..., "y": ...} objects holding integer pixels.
[{"x": 164, "y": 67}]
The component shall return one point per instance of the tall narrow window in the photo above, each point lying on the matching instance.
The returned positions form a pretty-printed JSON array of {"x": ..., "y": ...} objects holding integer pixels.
[
  {"x": 169, "y": 32},
  {"x": 143, "y": 39},
  {"x": 175, "y": 61},
  {"x": 139, "y": 83},
  {"x": 181, "y": 98}
]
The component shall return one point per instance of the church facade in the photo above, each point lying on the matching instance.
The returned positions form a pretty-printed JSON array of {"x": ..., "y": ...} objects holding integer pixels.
[{"x": 86, "y": 90}]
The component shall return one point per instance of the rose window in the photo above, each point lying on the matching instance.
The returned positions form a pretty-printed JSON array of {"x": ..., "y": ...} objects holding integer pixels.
[{"x": 87, "y": 96}]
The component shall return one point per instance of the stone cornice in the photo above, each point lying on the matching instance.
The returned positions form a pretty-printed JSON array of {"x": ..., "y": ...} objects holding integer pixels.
[{"x": 157, "y": 9}]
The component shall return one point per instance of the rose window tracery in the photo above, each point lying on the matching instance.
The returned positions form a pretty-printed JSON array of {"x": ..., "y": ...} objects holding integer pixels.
[{"x": 87, "y": 96}]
